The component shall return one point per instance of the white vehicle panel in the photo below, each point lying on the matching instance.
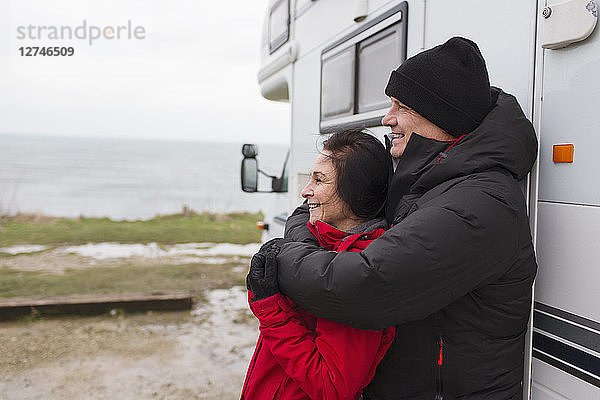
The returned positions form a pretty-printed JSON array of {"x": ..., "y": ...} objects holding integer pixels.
[
  {"x": 567, "y": 254},
  {"x": 305, "y": 121},
  {"x": 551, "y": 383},
  {"x": 504, "y": 32},
  {"x": 322, "y": 22},
  {"x": 570, "y": 116}
]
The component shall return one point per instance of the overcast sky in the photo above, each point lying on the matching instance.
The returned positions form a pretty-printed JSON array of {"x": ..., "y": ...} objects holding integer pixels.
[{"x": 192, "y": 76}]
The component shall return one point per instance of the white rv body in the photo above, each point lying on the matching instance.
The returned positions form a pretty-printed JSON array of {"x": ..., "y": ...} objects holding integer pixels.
[{"x": 546, "y": 53}]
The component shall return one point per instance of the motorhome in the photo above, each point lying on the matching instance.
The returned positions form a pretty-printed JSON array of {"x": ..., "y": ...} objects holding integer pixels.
[{"x": 330, "y": 60}]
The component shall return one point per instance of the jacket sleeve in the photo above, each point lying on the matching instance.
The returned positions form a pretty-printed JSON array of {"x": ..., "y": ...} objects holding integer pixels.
[
  {"x": 332, "y": 362},
  {"x": 440, "y": 252},
  {"x": 296, "y": 227}
]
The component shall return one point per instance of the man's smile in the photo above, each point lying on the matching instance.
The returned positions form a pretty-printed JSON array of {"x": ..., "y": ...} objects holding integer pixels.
[{"x": 395, "y": 136}]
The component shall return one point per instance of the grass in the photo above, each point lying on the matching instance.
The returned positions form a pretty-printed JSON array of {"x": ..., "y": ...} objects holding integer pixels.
[
  {"x": 231, "y": 228},
  {"x": 196, "y": 278}
]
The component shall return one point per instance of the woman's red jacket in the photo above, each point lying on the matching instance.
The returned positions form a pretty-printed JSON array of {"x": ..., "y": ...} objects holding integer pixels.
[{"x": 299, "y": 356}]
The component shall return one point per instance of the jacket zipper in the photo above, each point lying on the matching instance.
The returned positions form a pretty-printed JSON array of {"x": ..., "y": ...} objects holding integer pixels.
[
  {"x": 439, "y": 383},
  {"x": 258, "y": 348},
  {"x": 444, "y": 154}
]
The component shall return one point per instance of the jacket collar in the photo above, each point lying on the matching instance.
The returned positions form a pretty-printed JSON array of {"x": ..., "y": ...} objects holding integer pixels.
[
  {"x": 414, "y": 163},
  {"x": 329, "y": 235},
  {"x": 505, "y": 139}
]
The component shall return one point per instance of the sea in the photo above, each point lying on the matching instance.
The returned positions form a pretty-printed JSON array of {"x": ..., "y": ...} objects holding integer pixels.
[{"x": 127, "y": 179}]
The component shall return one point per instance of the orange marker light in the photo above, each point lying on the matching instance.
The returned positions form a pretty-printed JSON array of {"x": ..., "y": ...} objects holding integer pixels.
[
  {"x": 262, "y": 226},
  {"x": 562, "y": 153}
]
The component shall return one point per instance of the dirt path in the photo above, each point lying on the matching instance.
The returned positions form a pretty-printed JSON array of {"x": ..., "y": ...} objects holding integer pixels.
[
  {"x": 198, "y": 355},
  {"x": 59, "y": 259}
]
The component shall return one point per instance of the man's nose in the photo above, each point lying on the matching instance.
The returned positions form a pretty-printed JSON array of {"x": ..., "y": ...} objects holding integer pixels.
[{"x": 388, "y": 119}]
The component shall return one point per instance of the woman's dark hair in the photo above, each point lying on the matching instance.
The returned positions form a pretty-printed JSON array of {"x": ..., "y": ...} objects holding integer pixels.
[{"x": 363, "y": 166}]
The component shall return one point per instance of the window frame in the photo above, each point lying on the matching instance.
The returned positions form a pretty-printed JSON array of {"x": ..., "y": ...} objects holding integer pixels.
[
  {"x": 392, "y": 30},
  {"x": 354, "y": 73},
  {"x": 276, "y": 43},
  {"x": 367, "y": 118}
]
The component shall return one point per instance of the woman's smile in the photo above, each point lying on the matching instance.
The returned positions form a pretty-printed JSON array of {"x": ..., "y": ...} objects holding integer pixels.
[{"x": 324, "y": 202}]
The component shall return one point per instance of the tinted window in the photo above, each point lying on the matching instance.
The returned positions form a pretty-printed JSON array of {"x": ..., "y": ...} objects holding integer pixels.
[
  {"x": 377, "y": 57},
  {"x": 355, "y": 69},
  {"x": 337, "y": 85}
]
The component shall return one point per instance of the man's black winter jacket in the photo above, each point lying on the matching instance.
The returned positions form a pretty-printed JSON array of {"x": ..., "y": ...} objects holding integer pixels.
[{"x": 454, "y": 273}]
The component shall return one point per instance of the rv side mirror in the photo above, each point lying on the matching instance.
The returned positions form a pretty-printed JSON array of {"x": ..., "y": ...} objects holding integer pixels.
[
  {"x": 249, "y": 150},
  {"x": 279, "y": 185},
  {"x": 249, "y": 174}
]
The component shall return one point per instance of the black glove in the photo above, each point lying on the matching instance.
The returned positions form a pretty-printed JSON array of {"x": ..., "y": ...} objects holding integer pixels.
[
  {"x": 275, "y": 243},
  {"x": 262, "y": 278}
]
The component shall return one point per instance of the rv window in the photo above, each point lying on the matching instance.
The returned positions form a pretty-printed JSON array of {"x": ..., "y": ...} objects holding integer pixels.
[
  {"x": 355, "y": 69},
  {"x": 337, "y": 85},
  {"x": 279, "y": 24},
  {"x": 377, "y": 57}
]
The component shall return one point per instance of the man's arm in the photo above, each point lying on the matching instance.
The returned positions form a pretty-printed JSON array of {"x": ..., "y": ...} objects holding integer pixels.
[
  {"x": 437, "y": 254},
  {"x": 296, "y": 228}
]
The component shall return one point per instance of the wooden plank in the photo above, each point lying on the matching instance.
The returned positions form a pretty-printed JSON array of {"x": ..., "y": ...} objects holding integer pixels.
[{"x": 15, "y": 307}]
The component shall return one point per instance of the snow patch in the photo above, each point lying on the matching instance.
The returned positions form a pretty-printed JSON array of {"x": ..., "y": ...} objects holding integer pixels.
[
  {"x": 22, "y": 249},
  {"x": 225, "y": 300},
  {"x": 197, "y": 252},
  {"x": 214, "y": 249},
  {"x": 102, "y": 251}
]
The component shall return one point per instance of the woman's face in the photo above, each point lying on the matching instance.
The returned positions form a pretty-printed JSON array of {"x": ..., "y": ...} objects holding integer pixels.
[{"x": 321, "y": 192}]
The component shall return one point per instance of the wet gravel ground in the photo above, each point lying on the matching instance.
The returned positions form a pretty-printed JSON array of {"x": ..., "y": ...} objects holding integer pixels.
[
  {"x": 199, "y": 355},
  {"x": 57, "y": 260}
]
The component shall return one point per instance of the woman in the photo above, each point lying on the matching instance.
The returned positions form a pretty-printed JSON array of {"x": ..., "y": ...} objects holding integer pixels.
[{"x": 299, "y": 356}]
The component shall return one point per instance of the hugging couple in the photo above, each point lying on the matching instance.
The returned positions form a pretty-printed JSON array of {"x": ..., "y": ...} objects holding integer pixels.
[{"x": 410, "y": 276}]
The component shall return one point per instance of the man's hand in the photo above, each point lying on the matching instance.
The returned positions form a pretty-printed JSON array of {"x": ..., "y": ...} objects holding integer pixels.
[
  {"x": 262, "y": 278},
  {"x": 275, "y": 243}
]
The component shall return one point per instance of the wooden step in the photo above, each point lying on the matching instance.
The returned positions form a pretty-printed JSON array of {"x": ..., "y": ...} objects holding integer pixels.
[{"x": 14, "y": 307}]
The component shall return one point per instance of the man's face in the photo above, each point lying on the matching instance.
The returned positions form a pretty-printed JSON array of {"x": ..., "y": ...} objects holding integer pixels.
[{"x": 403, "y": 121}]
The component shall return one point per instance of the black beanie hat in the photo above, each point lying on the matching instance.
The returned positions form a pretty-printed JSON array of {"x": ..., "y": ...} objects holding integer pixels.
[{"x": 448, "y": 85}]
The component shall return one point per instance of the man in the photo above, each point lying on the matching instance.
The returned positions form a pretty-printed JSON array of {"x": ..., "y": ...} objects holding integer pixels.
[{"x": 454, "y": 273}]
